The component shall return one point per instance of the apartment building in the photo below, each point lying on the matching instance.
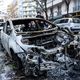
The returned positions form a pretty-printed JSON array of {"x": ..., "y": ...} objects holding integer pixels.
[
  {"x": 29, "y": 8},
  {"x": 57, "y": 8},
  {"x": 20, "y": 8},
  {"x": 3, "y": 13}
]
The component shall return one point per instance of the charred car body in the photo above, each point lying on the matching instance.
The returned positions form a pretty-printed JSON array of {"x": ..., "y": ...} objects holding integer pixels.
[{"x": 33, "y": 42}]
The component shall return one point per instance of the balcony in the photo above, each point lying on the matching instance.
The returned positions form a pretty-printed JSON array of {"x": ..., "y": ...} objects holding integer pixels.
[
  {"x": 76, "y": 8},
  {"x": 53, "y": 2},
  {"x": 59, "y": 15}
]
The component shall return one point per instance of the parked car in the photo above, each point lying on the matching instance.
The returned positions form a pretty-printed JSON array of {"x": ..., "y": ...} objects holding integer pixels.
[
  {"x": 32, "y": 43},
  {"x": 73, "y": 24}
]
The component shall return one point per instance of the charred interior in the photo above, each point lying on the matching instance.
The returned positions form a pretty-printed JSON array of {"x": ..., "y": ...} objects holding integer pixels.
[{"x": 46, "y": 41}]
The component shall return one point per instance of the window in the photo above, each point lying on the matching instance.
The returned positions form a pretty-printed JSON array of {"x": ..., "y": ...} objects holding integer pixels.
[
  {"x": 77, "y": 2},
  {"x": 61, "y": 21},
  {"x": 76, "y": 20},
  {"x": 64, "y": 21},
  {"x": 8, "y": 28},
  {"x": 1, "y": 20},
  {"x": 57, "y": 22}
]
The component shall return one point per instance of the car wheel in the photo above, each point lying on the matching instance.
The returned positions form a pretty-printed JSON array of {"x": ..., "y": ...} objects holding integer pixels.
[
  {"x": 27, "y": 70},
  {"x": 16, "y": 60},
  {"x": 35, "y": 71},
  {"x": 31, "y": 71}
]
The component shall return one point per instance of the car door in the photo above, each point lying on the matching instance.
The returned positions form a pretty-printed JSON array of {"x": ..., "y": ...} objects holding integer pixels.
[{"x": 5, "y": 35}]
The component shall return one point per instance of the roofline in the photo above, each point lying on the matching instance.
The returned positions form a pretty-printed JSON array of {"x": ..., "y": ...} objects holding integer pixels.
[
  {"x": 13, "y": 19},
  {"x": 67, "y": 18},
  {"x": 24, "y": 18}
]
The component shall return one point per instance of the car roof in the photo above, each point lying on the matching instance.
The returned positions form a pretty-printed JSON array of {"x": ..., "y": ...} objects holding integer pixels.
[
  {"x": 67, "y": 18},
  {"x": 28, "y": 19},
  {"x": 15, "y": 19}
]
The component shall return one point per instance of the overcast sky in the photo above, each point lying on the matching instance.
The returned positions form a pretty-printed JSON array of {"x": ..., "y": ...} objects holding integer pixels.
[{"x": 3, "y": 5}]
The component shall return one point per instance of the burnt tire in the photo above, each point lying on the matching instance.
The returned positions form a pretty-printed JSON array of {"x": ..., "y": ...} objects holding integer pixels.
[
  {"x": 34, "y": 71},
  {"x": 16, "y": 60},
  {"x": 27, "y": 70},
  {"x": 31, "y": 71}
]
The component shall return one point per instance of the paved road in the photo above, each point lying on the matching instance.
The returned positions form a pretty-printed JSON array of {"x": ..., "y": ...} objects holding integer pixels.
[{"x": 9, "y": 72}]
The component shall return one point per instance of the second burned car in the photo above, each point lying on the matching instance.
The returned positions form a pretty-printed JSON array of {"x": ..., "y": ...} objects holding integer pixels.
[{"x": 32, "y": 43}]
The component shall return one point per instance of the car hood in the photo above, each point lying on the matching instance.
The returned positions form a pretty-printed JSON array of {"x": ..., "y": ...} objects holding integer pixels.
[{"x": 48, "y": 40}]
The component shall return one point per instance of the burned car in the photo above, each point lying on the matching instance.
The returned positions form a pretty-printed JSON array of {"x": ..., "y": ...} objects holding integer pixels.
[{"x": 33, "y": 42}]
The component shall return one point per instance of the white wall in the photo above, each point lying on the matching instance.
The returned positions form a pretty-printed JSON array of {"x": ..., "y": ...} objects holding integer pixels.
[
  {"x": 55, "y": 11},
  {"x": 71, "y": 6},
  {"x": 63, "y": 7},
  {"x": 49, "y": 3}
]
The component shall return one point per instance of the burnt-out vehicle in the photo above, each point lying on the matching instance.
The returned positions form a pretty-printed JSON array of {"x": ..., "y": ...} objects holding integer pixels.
[{"x": 33, "y": 42}]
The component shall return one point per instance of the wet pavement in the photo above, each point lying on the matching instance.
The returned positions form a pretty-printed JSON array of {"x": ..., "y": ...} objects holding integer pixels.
[{"x": 8, "y": 71}]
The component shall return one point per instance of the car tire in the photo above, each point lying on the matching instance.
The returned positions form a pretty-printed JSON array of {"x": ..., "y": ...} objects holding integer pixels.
[
  {"x": 27, "y": 70},
  {"x": 31, "y": 72}
]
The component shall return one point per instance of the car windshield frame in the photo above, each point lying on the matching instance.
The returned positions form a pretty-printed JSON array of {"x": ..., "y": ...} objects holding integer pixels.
[
  {"x": 61, "y": 21},
  {"x": 26, "y": 21}
]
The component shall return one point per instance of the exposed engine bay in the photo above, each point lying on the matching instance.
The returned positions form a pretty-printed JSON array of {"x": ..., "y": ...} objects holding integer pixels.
[
  {"x": 53, "y": 44},
  {"x": 49, "y": 39}
]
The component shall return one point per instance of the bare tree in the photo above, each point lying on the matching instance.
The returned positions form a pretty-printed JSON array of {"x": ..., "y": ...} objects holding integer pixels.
[
  {"x": 67, "y": 2},
  {"x": 43, "y": 5},
  {"x": 51, "y": 9}
]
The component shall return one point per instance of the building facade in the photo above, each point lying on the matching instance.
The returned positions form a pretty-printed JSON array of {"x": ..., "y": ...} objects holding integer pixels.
[
  {"x": 58, "y": 8},
  {"x": 3, "y": 13},
  {"x": 29, "y": 8},
  {"x": 20, "y": 8}
]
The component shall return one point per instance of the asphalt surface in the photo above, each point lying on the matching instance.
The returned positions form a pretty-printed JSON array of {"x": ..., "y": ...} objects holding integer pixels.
[{"x": 8, "y": 71}]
